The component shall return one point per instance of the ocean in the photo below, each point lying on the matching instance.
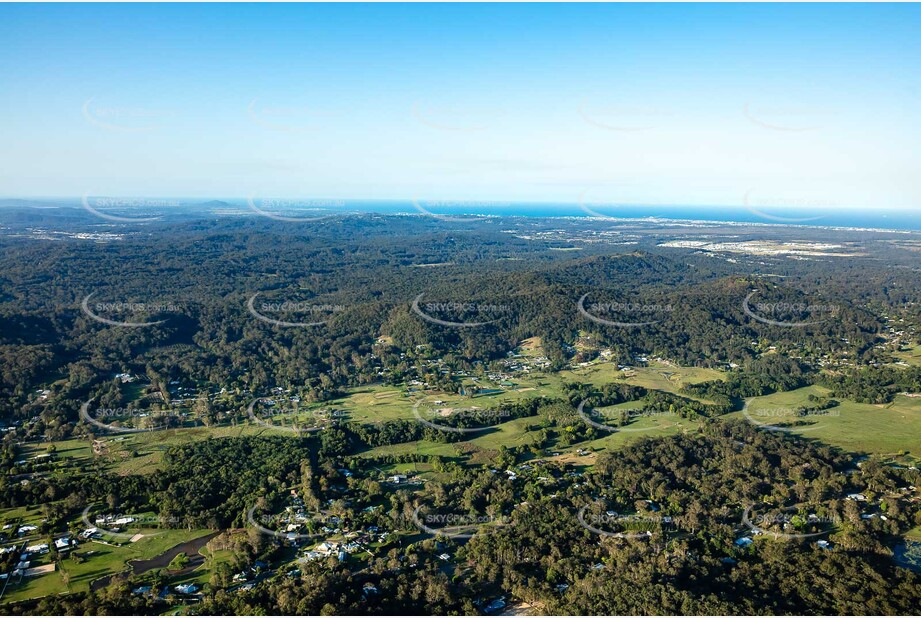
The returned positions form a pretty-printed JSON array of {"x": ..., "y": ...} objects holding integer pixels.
[{"x": 908, "y": 219}]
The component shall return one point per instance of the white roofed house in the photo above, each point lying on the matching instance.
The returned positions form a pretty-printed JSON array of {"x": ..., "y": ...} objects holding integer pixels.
[{"x": 26, "y": 529}]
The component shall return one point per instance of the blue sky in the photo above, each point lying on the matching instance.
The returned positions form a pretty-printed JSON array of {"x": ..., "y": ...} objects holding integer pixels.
[{"x": 797, "y": 105}]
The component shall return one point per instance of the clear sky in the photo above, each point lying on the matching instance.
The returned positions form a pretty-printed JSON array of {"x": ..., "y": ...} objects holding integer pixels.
[{"x": 682, "y": 104}]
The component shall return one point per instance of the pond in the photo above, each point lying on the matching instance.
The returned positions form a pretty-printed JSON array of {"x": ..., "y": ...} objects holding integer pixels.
[
  {"x": 137, "y": 567},
  {"x": 908, "y": 555}
]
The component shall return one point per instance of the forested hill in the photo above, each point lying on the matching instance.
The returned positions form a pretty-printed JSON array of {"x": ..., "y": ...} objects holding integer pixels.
[{"x": 190, "y": 281}]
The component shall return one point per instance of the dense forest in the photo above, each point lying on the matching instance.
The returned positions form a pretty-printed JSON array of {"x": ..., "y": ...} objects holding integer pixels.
[{"x": 356, "y": 277}]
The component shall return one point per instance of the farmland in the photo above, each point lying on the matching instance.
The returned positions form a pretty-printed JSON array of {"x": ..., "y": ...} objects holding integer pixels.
[{"x": 886, "y": 429}]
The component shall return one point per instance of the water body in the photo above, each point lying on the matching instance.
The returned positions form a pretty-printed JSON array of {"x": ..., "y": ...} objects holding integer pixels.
[
  {"x": 908, "y": 555},
  {"x": 902, "y": 219},
  {"x": 908, "y": 219},
  {"x": 137, "y": 567}
]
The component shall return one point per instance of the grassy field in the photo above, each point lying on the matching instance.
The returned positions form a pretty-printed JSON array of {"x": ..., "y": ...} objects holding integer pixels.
[
  {"x": 418, "y": 447},
  {"x": 150, "y": 446},
  {"x": 884, "y": 429},
  {"x": 531, "y": 347},
  {"x": 100, "y": 560},
  {"x": 138, "y": 453},
  {"x": 512, "y": 433},
  {"x": 657, "y": 376},
  {"x": 21, "y": 515},
  {"x": 77, "y": 450},
  {"x": 35, "y": 587},
  {"x": 202, "y": 574},
  {"x": 370, "y": 404},
  {"x": 523, "y": 431},
  {"x": 141, "y": 453},
  {"x": 911, "y": 355},
  {"x": 380, "y": 403}
]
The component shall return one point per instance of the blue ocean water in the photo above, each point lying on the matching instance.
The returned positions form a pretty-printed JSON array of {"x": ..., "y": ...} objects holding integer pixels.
[
  {"x": 907, "y": 219},
  {"x": 901, "y": 219}
]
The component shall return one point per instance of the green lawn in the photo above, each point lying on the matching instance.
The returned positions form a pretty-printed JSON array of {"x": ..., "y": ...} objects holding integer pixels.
[
  {"x": 133, "y": 391},
  {"x": 531, "y": 347},
  {"x": 512, "y": 433},
  {"x": 78, "y": 450},
  {"x": 142, "y": 453},
  {"x": 657, "y": 376},
  {"x": 646, "y": 427},
  {"x": 381, "y": 404},
  {"x": 35, "y": 587},
  {"x": 150, "y": 446},
  {"x": 420, "y": 447},
  {"x": 857, "y": 427},
  {"x": 373, "y": 404},
  {"x": 100, "y": 560},
  {"x": 911, "y": 355},
  {"x": 22, "y": 515}
]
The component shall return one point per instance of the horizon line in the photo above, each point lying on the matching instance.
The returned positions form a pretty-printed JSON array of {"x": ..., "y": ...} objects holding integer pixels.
[{"x": 476, "y": 202}]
